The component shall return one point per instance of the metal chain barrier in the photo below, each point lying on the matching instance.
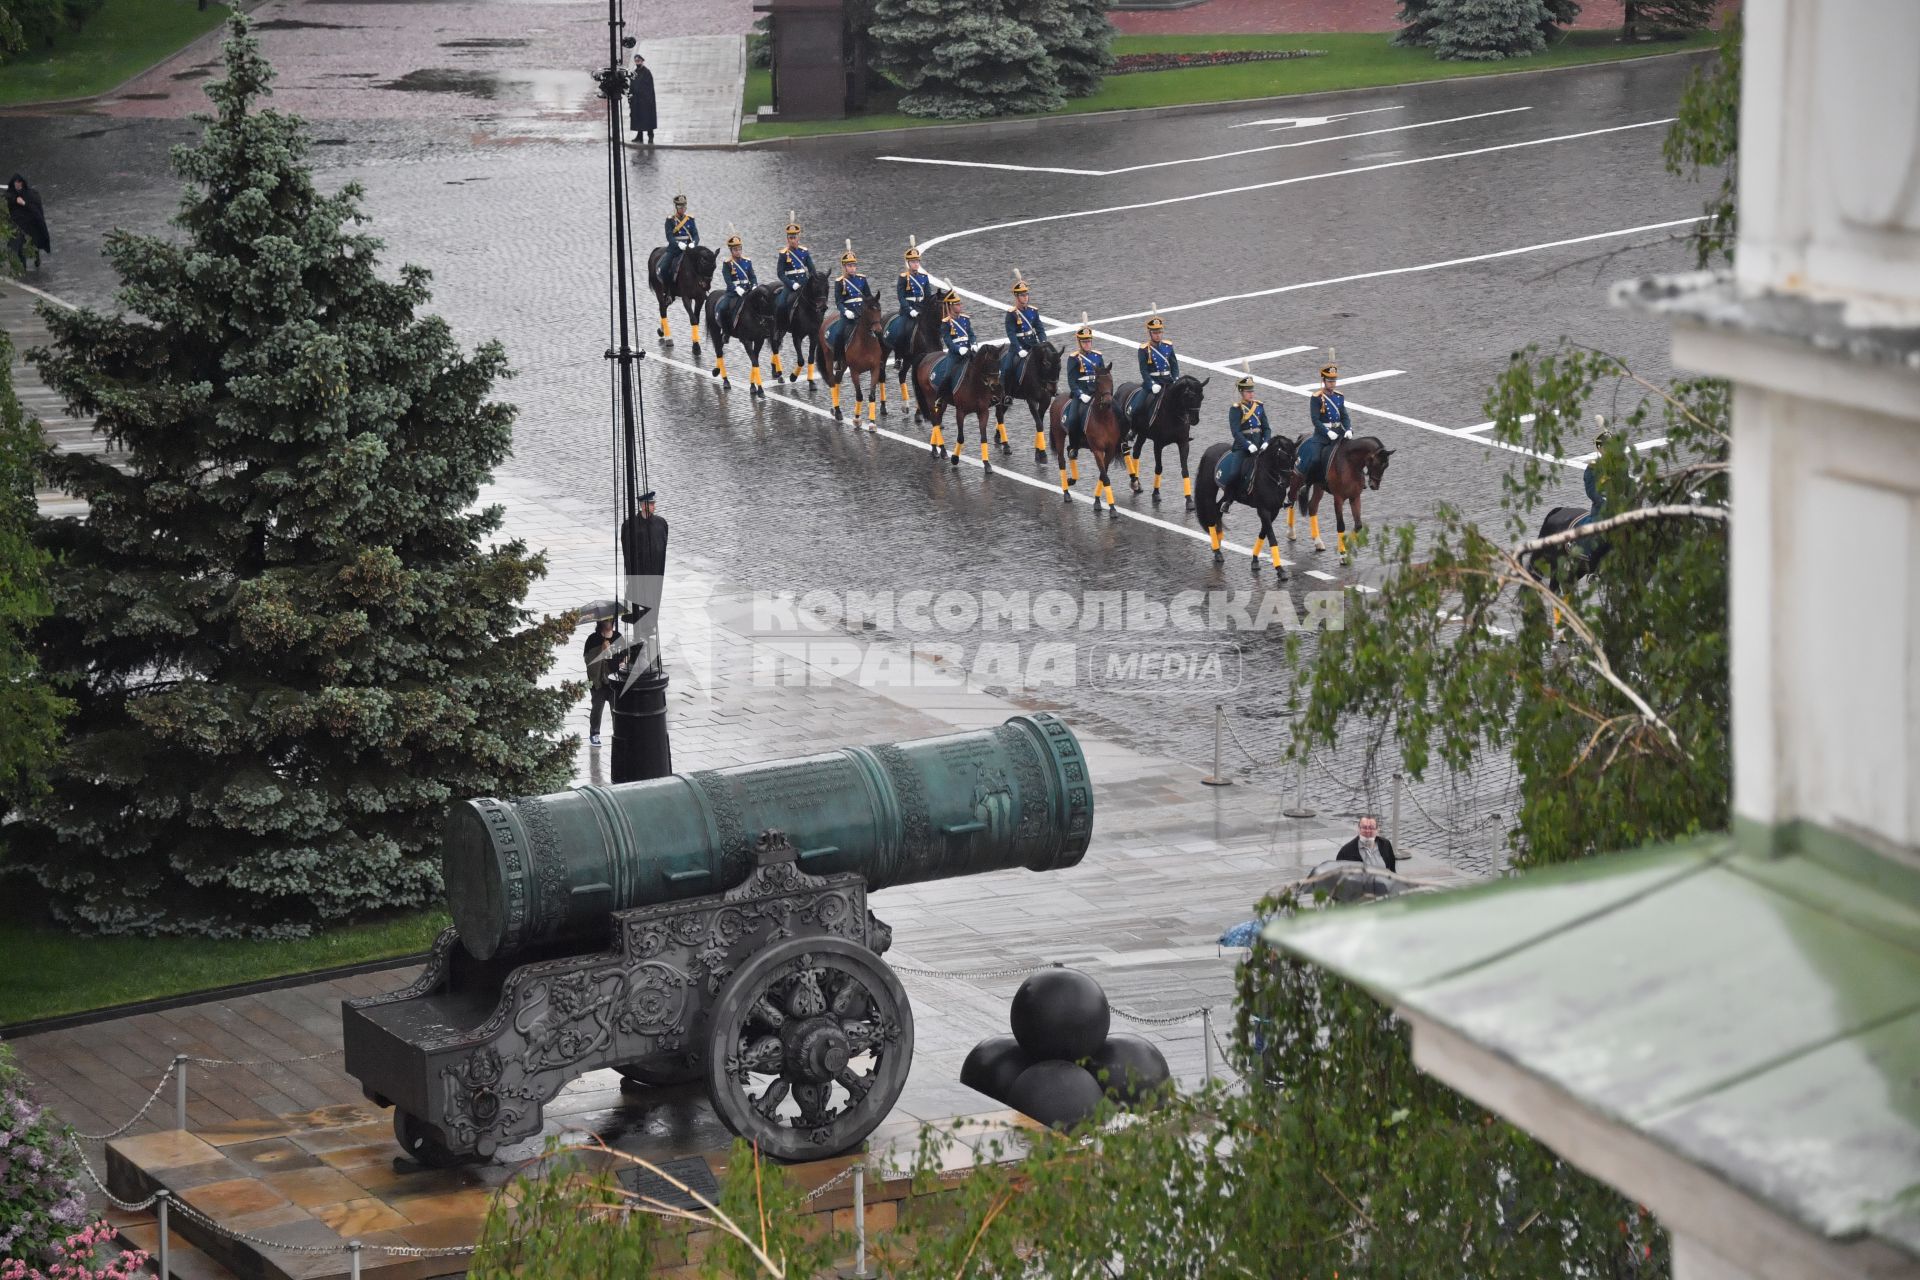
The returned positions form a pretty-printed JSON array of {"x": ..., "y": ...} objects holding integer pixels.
[
  {"x": 262, "y": 1062},
  {"x": 1153, "y": 1020},
  {"x": 144, "y": 1108},
  {"x": 128, "y": 1205},
  {"x": 1443, "y": 828},
  {"x": 1011, "y": 971}
]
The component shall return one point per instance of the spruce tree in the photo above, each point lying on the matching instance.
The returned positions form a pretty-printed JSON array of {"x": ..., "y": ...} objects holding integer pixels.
[
  {"x": 959, "y": 59},
  {"x": 1670, "y": 18},
  {"x": 290, "y": 646},
  {"x": 30, "y": 710},
  {"x": 1079, "y": 39},
  {"x": 1487, "y": 30}
]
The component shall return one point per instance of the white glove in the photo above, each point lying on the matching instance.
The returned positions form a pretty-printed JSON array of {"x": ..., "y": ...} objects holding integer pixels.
[
  {"x": 913, "y": 313},
  {"x": 963, "y": 349},
  {"x": 740, "y": 289},
  {"x": 849, "y": 313},
  {"x": 1085, "y": 398},
  {"x": 793, "y": 284},
  {"x": 1156, "y": 388}
]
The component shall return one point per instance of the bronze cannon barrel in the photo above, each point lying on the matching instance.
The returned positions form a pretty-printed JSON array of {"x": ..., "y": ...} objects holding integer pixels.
[{"x": 520, "y": 872}]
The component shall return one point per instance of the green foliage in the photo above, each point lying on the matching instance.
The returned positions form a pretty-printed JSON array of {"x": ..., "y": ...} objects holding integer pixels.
[
  {"x": 1706, "y": 135},
  {"x": 1483, "y": 30},
  {"x": 288, "y": 643},
  {"x": 1079, "y": 39},
  {"x": 556, "y": 1221},
  {"x": 763, "y": 1199},
  {"x": 1668, "y": 18},
  {"x": 40, "y": 1198},
  {"x": 32, "y": 24},
  {"x": 30, "y": 710},
  {"x": 960, "y": 59}
]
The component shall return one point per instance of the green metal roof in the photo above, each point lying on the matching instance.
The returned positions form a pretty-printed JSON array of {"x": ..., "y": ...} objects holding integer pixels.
[{"x": 1758, "y": 1016}]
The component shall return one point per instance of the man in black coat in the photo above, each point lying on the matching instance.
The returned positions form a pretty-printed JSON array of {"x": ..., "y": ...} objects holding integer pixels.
[
  {"x": 1369, "y": 848},
  {"x": 642, "y": 116},
  {"x": 604, "y": 655},
  {"x": 29, "y": 220},
  {"x": 643, "y": 549}
]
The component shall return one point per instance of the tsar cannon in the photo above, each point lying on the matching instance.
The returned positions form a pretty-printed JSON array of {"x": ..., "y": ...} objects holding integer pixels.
[{"x": 707, "y": 927}]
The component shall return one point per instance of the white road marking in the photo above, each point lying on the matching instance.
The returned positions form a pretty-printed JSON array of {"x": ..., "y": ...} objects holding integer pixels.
[
  {"x": 1269, "y": 355},
  {"x": 1478, "y": 427},
  {"x": 1302, "y": 122},
  {"x": 1308, "y": 388},
  {"x": 1321, "y": 574},
  {"x": 1401, "y": 271},
  {"x": 1218, "y": 155},
  {"x": 1642, "y": 445},
  {"x": 1286, "y": 182}
]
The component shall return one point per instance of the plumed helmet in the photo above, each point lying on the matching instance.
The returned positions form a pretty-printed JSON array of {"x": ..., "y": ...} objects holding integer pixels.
[
  {"x": 1086, "y": 328},
  {"x": 848, "y": 258},
  {"x": 949, "y": 299},
  {"x": 1154, "y": 323},
  {"x": 793, "y": 223},
  {"x": 1330, "y": 369},
  {"x": 733, "y": 237},
  {"x": 1019, "y": 282},
  {"x": 679, "y": 202},
  {"x": 913, "y": 248},
  {"x": 1246, "y": 376}
]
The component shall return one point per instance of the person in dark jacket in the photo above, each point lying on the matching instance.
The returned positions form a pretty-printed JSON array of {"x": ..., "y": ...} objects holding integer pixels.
[
  {"x": 603, "y": 655},
  {"x": 642, "y": 115},
  {"x": 1369, "y": 848},
  {"x": 29, "y": 220},
  {"x": 643, "y": 546}
]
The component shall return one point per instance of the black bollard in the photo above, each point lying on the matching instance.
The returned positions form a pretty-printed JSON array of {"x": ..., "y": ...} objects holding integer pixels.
[{"x": 640, "y": 747}]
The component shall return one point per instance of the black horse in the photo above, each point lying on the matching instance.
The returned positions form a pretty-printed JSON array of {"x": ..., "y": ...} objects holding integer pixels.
[
  {"x": 1564, "y": 565},
  {"x": 1272, "y": 476},
  {"x": 690, "y": 284},
  {"x": 922, "y": 337},
  {"x": 803, "y": 326},
  {"x": 752, "y": 327},
  {"x": 1168, "y": 419},
  {"x": 1036, "y": 383}
]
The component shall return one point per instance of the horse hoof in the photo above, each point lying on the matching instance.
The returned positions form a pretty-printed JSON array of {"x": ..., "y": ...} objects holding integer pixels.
[
  {"x": 1189, "y": 504},
  {"x": 1006, "y": 450},
  {"x": 1039, "y": 458},
  {"x": 1281, "y": 575},
  {"x": 933, "y": 450},
  {"x": 727, "y": 383},
  {"x": 1219, "y": 557},
  {"x": 1156, "y": 497},
  {"x": 715, "y": 372},
  {"x": 1318, "y": 545},
  {"x": 838, "y": 417},
  {"x": 954, "y": 458},
  {"x": 1066, "y": 496},
  {"x": 1256, "y": 566},
  {"x": 1135, "y": 488},
  {"x": 986, "y": 465}
]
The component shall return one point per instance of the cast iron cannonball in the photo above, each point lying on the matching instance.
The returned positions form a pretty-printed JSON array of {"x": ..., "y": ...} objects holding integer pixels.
[
  {"x": 1060, "y": 1013},
  {"x": 993, "y": 1066},
  {"x": 1132, "y": 1067},
  {"x": 1057, "y": 1094}
]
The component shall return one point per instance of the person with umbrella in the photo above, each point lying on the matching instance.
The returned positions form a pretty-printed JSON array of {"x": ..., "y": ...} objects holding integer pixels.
[{"x": 29, "y": 221}]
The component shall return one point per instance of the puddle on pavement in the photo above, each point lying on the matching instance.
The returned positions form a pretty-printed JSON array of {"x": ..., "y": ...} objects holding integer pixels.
[
  {"x": 192, "y": 73},
  {"x": 300, "y": 24},
  {"x": 524, "y": 93},
  {"x": 486, "y": 42}
]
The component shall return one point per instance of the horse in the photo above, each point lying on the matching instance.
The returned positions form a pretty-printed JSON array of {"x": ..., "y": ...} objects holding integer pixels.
[
  {"x": 1170, "y": 419},
  {"x": 1102, "y": 433},
  {"x": 976, "y": 393},
  {"x": 803, "y": 326},
  {"x": 1037, "y": 383},
  {"x": 690, "y": 285},
  {"x": 923, "y": 336},
  {"x": 1353, "y": 466},
  {"x": 1568, "y": 562},
  {"x": 1273, "y": 477},
  {"x": 864, "y": 354},
  {"x": 752, "y": 327}
]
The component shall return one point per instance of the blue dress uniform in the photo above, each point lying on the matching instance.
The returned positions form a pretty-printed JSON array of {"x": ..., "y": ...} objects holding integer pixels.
[
  {"x": 738, "y": 277},
  {"x": 1251, "y": 431},
  {"x": 1328, "y": 409},
  {"x": 911, "y": 291},
  {"x": 1590, "y": 481},
  {"x": 795, "y": 266},
  {"x": 1082, "y": 368},
  {"x": 850, "y": 294},
  {"x": 683, "y": 233},
  {"x": 956, "y": 331},
  {"x": 1024, "y": 334},
  {"x": 1159, "y": 365}
]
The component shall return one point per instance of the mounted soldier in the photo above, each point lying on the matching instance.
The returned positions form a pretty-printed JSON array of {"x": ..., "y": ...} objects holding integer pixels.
[
  {"x": 1083, "y": 366},
  {"x": 913, "y": 291},
  {"x": 736, "y": 278},
  {"x": 956, "y": 334},
  {"x": 1159, "y": 366},
  {"x": 851, "y": 293},
  {"x": 1247, "y": 422},
  {"x": 1590, "y": 478},
  {"x": 1328, "y": 410},
  {"x": 796, "y": 268},
  {"x": 1025, "y": 333},
  {"x": 683, "y": 233}
]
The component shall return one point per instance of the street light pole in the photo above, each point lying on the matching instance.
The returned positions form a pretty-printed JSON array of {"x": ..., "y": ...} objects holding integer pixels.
[{"x": 640, "y": 746}]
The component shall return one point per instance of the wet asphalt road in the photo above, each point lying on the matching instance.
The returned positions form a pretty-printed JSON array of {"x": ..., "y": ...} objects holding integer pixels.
[{"x": 776, "y": 498}]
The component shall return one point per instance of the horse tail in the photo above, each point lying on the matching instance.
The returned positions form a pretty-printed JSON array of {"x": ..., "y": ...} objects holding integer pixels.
[{"x": 1206, "y": 494}]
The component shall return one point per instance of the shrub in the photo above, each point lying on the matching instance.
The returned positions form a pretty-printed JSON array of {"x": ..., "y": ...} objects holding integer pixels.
[{"x": 40, "y": 1200}]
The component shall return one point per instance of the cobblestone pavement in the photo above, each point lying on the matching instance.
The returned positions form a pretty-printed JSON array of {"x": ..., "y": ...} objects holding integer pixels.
[{"x": 1256, "y": 17}]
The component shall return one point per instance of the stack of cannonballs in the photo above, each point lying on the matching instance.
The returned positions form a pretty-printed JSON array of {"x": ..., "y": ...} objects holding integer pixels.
[{"x": 1059, "y": 1061}]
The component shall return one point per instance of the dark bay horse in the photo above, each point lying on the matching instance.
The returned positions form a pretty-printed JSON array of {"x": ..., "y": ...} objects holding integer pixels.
[
  {"x": 1564, "y": 565},
  {"x": 1353, "y": 466},
  {"x": 803, "y": 327},
  {"x": 973, "y": 396},
  {"x": 690, "y": 285},
  {"x": 752, "y": 328},
  {"x": 1168, "y": 419},
  {"x": 1102, "y": 432},
  {"x": 1037, "y": 383},
  {"x": 864, "y": 355},
  {"x": 1270, "y": 493},
  {"x": 921, "y": 337}
]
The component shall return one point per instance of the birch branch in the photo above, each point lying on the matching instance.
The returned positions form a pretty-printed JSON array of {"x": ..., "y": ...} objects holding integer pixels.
[{"x": 1669, "y": 511}]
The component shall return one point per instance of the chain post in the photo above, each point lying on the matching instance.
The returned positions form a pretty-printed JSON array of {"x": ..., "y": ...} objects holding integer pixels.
[
  {"x": 1399, "y": 785},
  {"x": 180, "y": 1092},
  {"x": 161, "y": 1199},
  {"x": 1300, "y": 809},
  {"x": 1217, "y": 778},
  {"x": 1206, "y": 1035},
  {"x": 860, "y": 1219},
  {"x": 353, "y": 1260}
]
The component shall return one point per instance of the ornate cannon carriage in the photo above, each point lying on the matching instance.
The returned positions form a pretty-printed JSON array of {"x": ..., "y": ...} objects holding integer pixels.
[{"x": 704, "y": 927}]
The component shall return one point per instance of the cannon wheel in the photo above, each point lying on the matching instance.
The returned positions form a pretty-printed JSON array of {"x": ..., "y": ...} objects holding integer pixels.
[
  {"x": 420, "y": 1145},
  {"x": 811, "y": 1043}
]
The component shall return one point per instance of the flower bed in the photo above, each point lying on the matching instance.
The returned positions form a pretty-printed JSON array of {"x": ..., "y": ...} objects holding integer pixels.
[
  {"x": 1173, "y": 61},
  {"x": 40, "y": 1202}
]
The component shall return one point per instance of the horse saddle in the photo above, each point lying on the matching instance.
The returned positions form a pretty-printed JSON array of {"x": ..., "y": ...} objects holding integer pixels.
[
  {"x": 1139, "y": 409},
  {"x": 1316, "y": 472}
]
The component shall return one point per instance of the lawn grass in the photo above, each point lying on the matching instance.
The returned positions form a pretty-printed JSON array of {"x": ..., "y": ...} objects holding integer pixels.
[
  {"x": 1352, "y": 61},
  {"x": 49, "y": 972},
  {"x": 122, "y": 40}
]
